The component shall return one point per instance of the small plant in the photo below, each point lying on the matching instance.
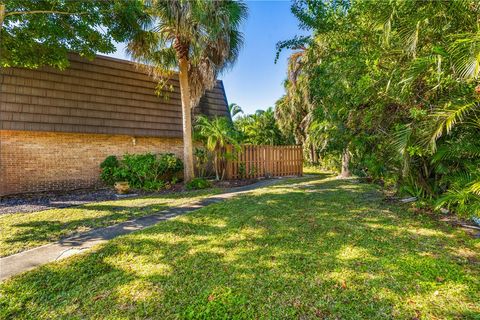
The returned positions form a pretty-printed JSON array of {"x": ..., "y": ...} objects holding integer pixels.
[
  {"x": 201, "y": 161},
  {"x": 216, "y": 134},
  {"x": 242, "y": 170},
  {"x": 154, "y": 185},
  {"x": 198, "y": 183},
  {"x": 252, "y": 171}
]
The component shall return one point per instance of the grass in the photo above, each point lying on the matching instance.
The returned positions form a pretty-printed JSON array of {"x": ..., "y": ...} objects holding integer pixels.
[
  {"x": 320, "y": 248},
  {"x": 22, "y": 231}
]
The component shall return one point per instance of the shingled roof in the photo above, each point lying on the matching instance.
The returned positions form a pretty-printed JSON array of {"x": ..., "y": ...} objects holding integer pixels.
[{"x": 106, "y": 95}]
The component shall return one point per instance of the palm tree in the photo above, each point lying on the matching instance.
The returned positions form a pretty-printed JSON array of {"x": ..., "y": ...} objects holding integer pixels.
[
  {"x": 216, "y": 135},
  {"x": 234, "y": 110},
  {"x": 198, "y": 38},
  {"x": 294, "y": 110}
]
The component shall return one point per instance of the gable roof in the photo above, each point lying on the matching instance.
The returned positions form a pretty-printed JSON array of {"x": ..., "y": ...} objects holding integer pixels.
[{"x": 106, "y": 95}]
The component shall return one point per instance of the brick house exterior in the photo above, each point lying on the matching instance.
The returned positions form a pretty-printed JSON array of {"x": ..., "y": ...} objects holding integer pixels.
[{"x": 56, "y": 127}]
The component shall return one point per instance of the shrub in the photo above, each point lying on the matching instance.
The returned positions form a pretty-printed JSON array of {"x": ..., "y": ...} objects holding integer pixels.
[
  {"x": 139, "y": 168},
  {"x": 169, "y": 166},
  {"x": 109, "y": 166},
  {"x": 198, "y": 183},
  {"x": 142, "y": 171},
  {"x": 154, "y": 185}
]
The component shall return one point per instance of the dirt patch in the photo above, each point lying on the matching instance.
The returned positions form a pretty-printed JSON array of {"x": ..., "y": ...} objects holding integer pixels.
[{"x": 50, "y": 200}]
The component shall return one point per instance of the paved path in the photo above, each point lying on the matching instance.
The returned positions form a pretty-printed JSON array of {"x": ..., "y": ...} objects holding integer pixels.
[{"x": 35, "y": 257}]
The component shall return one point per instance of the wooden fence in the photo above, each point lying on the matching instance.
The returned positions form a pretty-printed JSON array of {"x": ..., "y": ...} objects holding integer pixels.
[{"x": 251, "y": 161}]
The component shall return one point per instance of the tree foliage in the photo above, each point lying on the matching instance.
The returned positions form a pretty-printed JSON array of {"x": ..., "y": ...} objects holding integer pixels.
[
  {"x": 37, "y": 33},
  {"x": 205, "y": 33},
  {"x": 216, "y": 134},
  {"x": 260, "y": 128},
  {"x": 395, "y": 83}
]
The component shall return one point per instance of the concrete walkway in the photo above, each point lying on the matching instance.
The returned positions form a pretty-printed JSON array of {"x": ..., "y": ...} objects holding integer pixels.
[{"x": 29, "y": 259}]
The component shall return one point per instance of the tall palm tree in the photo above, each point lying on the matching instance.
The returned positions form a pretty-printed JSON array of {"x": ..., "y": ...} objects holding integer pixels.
[
  {"x": 197, "y": 38},
  {"x": 294, "y": 110}
]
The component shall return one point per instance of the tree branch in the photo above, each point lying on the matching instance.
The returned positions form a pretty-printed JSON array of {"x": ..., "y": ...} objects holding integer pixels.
[{"x": 41, "y": 12}]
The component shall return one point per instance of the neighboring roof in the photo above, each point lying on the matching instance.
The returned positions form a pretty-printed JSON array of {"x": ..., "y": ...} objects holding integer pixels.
[{"x": 106, "y": 95}]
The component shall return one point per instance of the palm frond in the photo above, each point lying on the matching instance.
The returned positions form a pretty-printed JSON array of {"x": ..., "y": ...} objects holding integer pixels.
[
  {"x": 475, "y": 187},
  {"x": 207, "y": 31},
  {"x": 465, "y": 55},
  {"x": 448, "y": 117}
]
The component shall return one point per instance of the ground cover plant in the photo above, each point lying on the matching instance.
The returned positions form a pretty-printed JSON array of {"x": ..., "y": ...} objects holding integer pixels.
[
  {"x": 198, "y": 183},
  {"x": 318, "y": 248},
  {"x": 21, "y": 231}
]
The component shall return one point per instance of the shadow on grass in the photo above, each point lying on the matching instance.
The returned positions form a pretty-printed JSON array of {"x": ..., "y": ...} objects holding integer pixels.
[
  {"x": 35, "y": 231},
  {"x": 280, "y": 253},
  {"x": 52, "y": 230}
]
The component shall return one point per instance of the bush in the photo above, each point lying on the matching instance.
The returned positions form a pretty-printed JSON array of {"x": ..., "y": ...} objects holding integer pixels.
[
  {"x": 198, "y": 183},
  {"x": 109, "y": 166},
  {"x": 169, "y": 166},
  {"x": 154, "y": 185},
  {"x": 142, "y": 171},
  {"x": 138, "y": 169}
]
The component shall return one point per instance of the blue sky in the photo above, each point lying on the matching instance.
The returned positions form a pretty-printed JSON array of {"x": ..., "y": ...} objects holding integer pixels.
[{"x": 255, "y": 82}]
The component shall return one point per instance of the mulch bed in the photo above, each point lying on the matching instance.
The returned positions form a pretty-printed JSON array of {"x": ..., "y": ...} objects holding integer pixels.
[
  {"x": 34, "y": 202},
  {"x": 50, "y": 200}
]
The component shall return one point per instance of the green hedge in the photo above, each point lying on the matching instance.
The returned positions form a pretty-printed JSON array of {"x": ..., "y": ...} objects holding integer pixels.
[{"x": 142, "y": 171}]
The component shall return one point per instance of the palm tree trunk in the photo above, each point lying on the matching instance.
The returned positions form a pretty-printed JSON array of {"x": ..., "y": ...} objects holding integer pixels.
[
  {"x": 345, "y": 163},
  {"x": 313, "y": 153},
  {"x": 2, "y": 15},
  {"x": 188, "y": 173},
  {"x": 215, "y": 163}
]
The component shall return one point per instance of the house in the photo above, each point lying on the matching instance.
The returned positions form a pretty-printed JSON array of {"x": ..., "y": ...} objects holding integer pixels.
[{"x": 56, "y": 127}]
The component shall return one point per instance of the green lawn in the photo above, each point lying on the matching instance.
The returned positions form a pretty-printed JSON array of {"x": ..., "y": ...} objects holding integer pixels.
[
  {"x": 19, "y": 232},
  {"x": 323, "y": 248}
]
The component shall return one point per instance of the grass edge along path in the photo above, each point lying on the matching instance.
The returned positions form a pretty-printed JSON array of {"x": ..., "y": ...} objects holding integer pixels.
[{"x": 23, "y": 231}]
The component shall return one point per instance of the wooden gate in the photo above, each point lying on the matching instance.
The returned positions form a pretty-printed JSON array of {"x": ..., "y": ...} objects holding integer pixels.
[{"x": 250, "y": 161}]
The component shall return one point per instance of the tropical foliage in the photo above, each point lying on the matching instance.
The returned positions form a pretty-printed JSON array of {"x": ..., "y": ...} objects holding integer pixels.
[
  {"x": 234, "y": 110},
  {"x": 260, "y": 128},
  {"x": 391, "y": 88},
  {"x": 216, "y": 134},
  {"x": 198, "y": 39},
  {"x": 37, "y": 33}
]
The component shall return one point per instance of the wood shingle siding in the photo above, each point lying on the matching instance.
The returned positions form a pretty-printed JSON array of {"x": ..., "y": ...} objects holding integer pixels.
[{"x": 103, "y": 96}]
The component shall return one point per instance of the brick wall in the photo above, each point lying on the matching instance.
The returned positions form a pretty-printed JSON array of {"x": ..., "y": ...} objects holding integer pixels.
[{"x": 42, "y": 161}]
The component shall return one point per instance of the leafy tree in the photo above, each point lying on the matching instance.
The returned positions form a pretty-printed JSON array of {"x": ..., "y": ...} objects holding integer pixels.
[
  {"x": 393, "y": 89},
  {"x": 37, "y": 33},
  {"x": 199, "y": 39},
  {"x": 261, "y": 128}
]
